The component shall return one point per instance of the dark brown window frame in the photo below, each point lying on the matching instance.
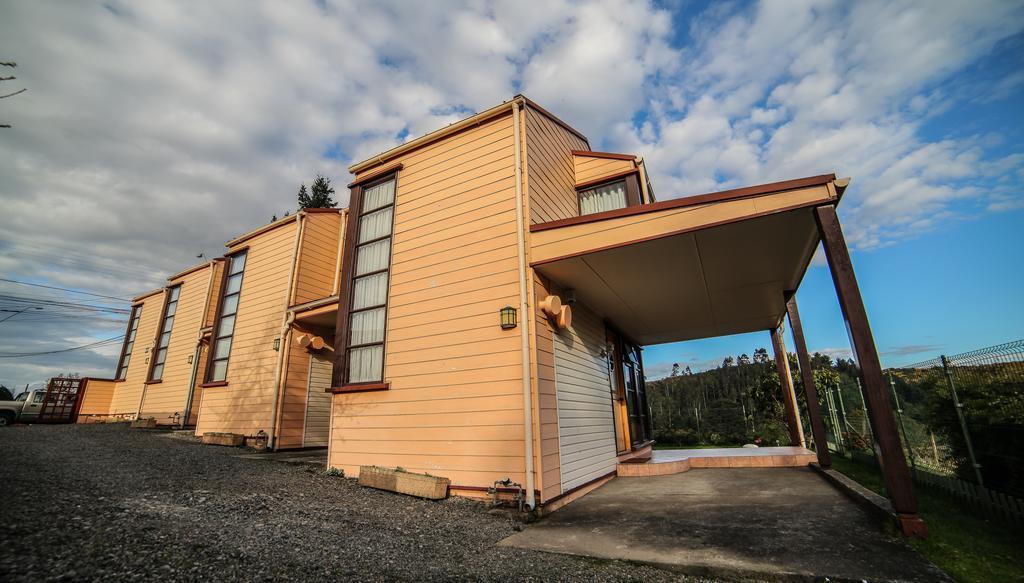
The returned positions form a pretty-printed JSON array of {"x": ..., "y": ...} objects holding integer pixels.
[
  {"x": 631, "y": 180},
  {"x": 228, "y": 258},
  {"x": 160, "y": 331},
  {"x": 343, "y": 331},
  {"x": 133, "y": 319}
]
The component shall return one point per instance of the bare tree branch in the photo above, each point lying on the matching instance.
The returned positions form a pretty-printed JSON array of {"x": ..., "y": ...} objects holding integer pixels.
[{"x": 9, "y": 64}]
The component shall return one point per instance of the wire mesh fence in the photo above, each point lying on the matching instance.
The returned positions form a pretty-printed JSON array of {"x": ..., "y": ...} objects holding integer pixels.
[{"x": 960, "y": 418}]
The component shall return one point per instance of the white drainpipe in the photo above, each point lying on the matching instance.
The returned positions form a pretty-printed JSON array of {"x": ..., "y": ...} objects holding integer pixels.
[{"x": 531, "y": 501}]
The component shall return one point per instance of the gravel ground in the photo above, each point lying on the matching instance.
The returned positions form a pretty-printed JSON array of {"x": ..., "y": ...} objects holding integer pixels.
[{"x": 103, "y": 502}]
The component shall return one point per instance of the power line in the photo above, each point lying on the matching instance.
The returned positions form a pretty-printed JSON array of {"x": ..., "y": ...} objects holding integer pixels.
[
  {"x": 74, "y": 291},
  {"x": 97, "y": 344}
]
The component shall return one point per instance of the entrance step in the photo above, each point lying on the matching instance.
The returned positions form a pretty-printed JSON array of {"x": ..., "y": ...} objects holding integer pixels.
[{"x": 664, "y": 462}]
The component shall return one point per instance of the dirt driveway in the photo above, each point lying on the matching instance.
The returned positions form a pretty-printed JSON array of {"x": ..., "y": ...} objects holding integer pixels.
[{"x": 102, "y": 502}]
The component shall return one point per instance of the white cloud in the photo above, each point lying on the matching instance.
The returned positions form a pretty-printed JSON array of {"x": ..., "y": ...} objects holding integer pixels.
[{"x": 153, "y": 131}]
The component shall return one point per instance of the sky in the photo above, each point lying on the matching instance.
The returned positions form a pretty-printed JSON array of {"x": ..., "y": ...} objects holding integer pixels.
[{"x": 152, "y": 132}]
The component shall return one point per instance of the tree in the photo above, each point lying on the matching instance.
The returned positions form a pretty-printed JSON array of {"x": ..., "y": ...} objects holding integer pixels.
[
  {"x": 743, "y": 359},
  {"x": 727, "y": 362},
  {"x": 319, "y": 195},
  {"x": 761, "y": 356},
  {"x": 675, "y": 369},
  {"x": 5, "y": 394}
]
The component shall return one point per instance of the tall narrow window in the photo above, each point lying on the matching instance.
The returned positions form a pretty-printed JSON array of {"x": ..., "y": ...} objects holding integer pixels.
[
  {"x": 156, "y": 371},
  {"x": 607, "y": 197},
  {"x": 369, "y": 292},
  {"x": 225, "y": 327},
  {"x": 129, "y": 342}
]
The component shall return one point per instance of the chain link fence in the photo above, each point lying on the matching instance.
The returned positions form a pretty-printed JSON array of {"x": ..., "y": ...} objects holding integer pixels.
[{"x": 961, "y": 421}]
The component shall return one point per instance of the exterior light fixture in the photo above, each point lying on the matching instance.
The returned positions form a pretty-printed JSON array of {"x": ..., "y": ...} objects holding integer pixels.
[
  {"x": 277, "y": 344},
  {"x": 508, "y": 318}
]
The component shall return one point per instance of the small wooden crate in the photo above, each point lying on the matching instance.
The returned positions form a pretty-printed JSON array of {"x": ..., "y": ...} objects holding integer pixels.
[
  {"x": 143, "y": 424},
  {"x": 228, "y": 439},
  {"x": 420, "y": 485}
]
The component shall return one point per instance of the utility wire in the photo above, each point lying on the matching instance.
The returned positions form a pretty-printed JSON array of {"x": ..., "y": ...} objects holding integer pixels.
[
  {"x": 75, "y": 291},
  {"x": 97, "y": 344}
]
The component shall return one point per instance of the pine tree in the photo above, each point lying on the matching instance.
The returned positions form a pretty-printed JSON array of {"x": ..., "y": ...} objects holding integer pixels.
[
  {"x": 304, "y": 200},
  {"x": 320, "y": 194}
]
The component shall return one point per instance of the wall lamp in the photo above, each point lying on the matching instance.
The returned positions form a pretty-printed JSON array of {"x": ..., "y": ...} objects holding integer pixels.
[{"x": 508, "y": 318}]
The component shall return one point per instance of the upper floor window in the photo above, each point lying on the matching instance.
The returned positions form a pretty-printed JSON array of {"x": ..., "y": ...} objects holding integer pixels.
[
  {"x": 224, "y": 329},
  {"x": 607, "y": 197},
  {"x": 129, "y": 342},
  {"x": 369, "y": 291},
  {"x": 156, "y": 371}
]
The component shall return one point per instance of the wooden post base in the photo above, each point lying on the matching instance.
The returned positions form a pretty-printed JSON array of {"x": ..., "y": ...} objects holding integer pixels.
[{"x": 911, "y": 526}]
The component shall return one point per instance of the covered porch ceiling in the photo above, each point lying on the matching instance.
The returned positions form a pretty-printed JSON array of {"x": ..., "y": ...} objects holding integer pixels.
[{"x": 689, "y": 268}]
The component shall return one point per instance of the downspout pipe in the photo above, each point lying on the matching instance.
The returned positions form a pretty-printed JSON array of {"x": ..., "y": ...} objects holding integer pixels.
[
  {"x": 531, "y": 501},
  {"x": 286, "y": 324}
]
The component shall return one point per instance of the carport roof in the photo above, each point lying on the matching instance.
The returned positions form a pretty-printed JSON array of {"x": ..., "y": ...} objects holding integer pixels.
[{"x": 689, "y": 268}]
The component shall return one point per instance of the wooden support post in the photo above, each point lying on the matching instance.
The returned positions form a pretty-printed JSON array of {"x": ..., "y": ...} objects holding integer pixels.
[
  {"x": 810, "y": 391},
  {"x": 890, "y": 453},
  {"x": 796, "y": 431}
]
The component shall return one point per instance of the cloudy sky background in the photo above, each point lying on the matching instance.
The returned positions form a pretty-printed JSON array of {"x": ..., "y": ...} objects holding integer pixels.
[{"x": 152, "y": 132}]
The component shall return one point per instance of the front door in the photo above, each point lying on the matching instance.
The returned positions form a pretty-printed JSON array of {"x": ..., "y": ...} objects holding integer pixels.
[{"x": 636, "y": 394}]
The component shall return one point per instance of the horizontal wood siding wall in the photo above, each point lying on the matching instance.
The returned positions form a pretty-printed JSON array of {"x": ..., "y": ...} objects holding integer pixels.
[
  {"x": 318, "y": 258},
  {"x": 551, "y": 175},
  {"x": 245, "y": 405},
  {"x": 293, "y": 406},
  {"x": 455, "y": 405},
  {"x": 586, "y": 426},
  {"x": 127, "y": 394},
  {"x": 591, "y": 168},
  {"x": 168, "y": 397},
  {"x": 318, "y": 404},
  {"x": 547, "y": 400},
  {"x": 96, "y": 402}
]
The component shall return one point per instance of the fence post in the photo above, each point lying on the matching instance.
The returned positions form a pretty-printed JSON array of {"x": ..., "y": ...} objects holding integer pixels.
[
  {"x": 963, "y": 422},
  {"x": 903, "y": 426}
]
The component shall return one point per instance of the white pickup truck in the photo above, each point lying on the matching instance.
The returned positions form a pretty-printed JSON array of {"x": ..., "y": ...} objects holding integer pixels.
[{"x": 25, "y": 407}]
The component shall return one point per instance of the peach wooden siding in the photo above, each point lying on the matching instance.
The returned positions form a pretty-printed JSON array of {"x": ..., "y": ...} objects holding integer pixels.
[
  {"x": 586, "y": 427},
  {"x": 551, "y": 177},
  {"x": 293, "y": 405},
  {"x": 318, "y": 400},
  {"x": 245, "y": 405},
  {"x": 170, "y": 396},
  {"x": 318, "y": 257},
  {"x": 594, "y": 168},
  {"x": 96, "y": 403},
  {"x": 210, "y": 315},
  {"x": 455, "y": 406},
  {"x": 128, "y": 394},
  {"x": 581, "y": 238},
  {"x": 548, "y": 469}
]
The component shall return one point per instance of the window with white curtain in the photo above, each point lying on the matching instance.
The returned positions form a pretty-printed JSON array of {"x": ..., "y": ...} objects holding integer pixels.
[
  {"x": 370, "y": 270},
  {"x": 606, "y": 197}
]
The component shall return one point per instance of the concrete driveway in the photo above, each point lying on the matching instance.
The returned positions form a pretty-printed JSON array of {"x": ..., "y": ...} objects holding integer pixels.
[{"x": 735, "y": 523}]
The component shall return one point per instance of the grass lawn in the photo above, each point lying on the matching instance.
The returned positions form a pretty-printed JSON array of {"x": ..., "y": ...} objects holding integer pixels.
[{"x": 961, "y": 541}]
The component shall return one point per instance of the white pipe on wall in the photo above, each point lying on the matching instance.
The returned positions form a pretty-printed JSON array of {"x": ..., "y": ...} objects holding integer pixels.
[{"x": 531, "y": 501}]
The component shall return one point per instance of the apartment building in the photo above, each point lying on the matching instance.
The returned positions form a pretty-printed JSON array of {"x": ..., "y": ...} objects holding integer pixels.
[{"x": 479, "y": 310}]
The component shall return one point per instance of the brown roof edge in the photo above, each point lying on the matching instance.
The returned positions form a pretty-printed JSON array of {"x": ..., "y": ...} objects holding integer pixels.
[
  {"x": 261, "y": 230},
  {"x": 376, "y": 174},
  {"x": 321, "y": 210},
  {"x": 533, "y": 105},
  {"x": 192, "y": 269},
  {"x": 719, "y": 196},
  {"x": 609, "y": 155},
  {"x": 607, "y": 178},
  {"x": 141, "y": 297}
]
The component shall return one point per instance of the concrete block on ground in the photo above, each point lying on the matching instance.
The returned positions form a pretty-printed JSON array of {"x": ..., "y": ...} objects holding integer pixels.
[{"x": 228, "y": 439}]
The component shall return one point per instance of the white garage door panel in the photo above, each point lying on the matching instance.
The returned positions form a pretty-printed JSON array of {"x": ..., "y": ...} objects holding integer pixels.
[{"x": 586, "y": 427}]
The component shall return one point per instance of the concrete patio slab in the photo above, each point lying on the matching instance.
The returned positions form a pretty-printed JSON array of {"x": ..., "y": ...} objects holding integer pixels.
[{"x": 773, "y": 523}]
